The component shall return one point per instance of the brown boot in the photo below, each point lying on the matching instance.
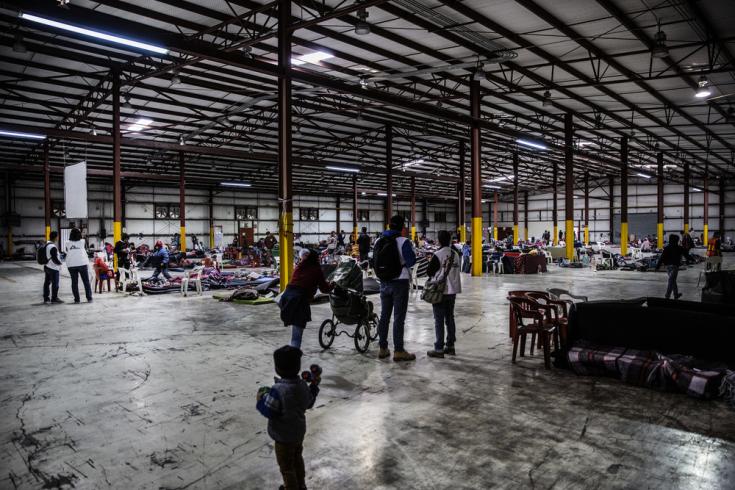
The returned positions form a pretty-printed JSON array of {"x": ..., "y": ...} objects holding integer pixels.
[
  {"x": 402, "y": 355},
  {"x": 383, "y": 353}
]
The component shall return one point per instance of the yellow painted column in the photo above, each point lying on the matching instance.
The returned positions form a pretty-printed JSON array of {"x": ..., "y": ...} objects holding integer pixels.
[
  {"x": 515, "y": 234},
  {"x": 477, "y": 246},
  {"x": 705, "y": 232},
  {"x": 623, "y": 239},
  {"x": 286, "y": 248},
  {"x": 555, "y": 235},
  {"x": 116, "y": 237},
  {"x": 525, "y": 234},
  {"x": 569, "y": 239},
  {"x": 586, "y": 235},
  {"x": 686, "y": 227},
  {"x": 660, "y": 235},
  {"x": 413, "y": 233},
  {"x": 211, "y": 237},
  {"x": 182, "y": 238},
  {"x": 48, "y": 233},
  {"x": 463, "y": 234},
  {"x": 495, "y": 233}
]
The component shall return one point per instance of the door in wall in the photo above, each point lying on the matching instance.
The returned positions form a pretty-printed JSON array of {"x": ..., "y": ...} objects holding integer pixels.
[{"x": 246, "y": 237}]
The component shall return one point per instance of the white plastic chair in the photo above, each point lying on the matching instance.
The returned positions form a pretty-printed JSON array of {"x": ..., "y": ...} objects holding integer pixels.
[
  {"x": 498, "y": 267},
  {"x": 130, "y": 276},
  {"x": 193, "y": 275}
]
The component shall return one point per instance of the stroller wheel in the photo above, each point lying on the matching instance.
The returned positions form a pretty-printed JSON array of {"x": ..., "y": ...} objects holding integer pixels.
[
  {"x": 326, "y": 333},
  {"x": 362, "y": 336}
]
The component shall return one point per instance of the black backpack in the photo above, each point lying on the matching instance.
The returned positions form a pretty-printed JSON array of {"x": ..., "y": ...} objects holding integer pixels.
[
  {"x": 387, "y": 259},
  {"x": 41, "y": 257}
]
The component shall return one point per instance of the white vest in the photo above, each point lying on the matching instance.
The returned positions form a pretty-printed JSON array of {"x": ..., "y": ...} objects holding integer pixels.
[
  {"x": 50, "y": 263},
  {"x": 454, "y": 281}
]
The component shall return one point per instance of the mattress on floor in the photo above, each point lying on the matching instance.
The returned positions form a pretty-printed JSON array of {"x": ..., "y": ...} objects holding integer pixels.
[
  {"x": 642, "y": 368},
  {"x": 590, "y": 359}
]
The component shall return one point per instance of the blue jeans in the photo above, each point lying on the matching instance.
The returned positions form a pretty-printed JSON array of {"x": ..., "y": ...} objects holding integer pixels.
[
  {"x": 82, "y": 271},
  {"x": 444, "y": 314},
  {"x": 393, "y": 299},
  {"x": 50, "y": 281},
  {"x": 163, "y": 268},
  {"x": 673, "y": 271}
]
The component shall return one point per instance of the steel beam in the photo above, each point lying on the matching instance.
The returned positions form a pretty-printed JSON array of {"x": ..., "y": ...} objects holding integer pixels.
[
  {"x": 660, "y": 200},
  {"x": 46, "y": 191},
  {"x": 413, "y": 208},
  {"x": 285, "y": 191},
  {"x": 182, "y": 202},
  {"x": 705, "y": 214},
  {"x": 569, "y": 185},
  {"x": 116, "y": 178},
  {"x": 721, "y": 206},
  {"x": 476, "y": 173},
  {"x": 516, "y": 237},
  {"x": 461, "y": 211},
  {"x": 623, "y": 196},
  {"x": 388, "y": 174},
  {"x": 686, "y": 197},
  {"x": 586, "y": 208}
]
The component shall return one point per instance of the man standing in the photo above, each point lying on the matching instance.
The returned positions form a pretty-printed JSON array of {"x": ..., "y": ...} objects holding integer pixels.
[
  {"x": 270, "y": 240},
  {"x": 52, "y": 270},
  {"x": 687, "y": 244},
  {"x": 363, "y": 244},
  {"x": 393, "y": 257},
  {"x": 123, "y": 254}
]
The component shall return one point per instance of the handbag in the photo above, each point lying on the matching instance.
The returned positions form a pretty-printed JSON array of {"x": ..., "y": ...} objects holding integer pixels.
[{"x": 433, "y": 291}]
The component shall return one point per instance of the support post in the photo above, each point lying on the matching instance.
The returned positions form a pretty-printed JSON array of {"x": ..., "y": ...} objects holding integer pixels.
[
  {"x": 705, "y": 217},
  {"x": 495, "y": 215},
  {"x": 424, "y": 216},
  {"x": 476, "y": 173},
  {"x": 116, "y": 194},
  {"x": 388, "y": 174},
  {"x": 569, "y": 185},
  {"x": 516, "y": 237},
  {"x": 611, "y": 194},
  {"x": 338, "y": 223},
  {"x": 586, "y": 208},
  {"x": 211, "y": 219},
  {"x": 182, "y": 202},
  {"x": 660, "y": 200},
  {"x": 721, "y": 206},
  {"x": 623, "y": 196},
  {"x": 461, "y": 210},
  {"x": 525, "y": 216},
  {"x": 413, "y": 208},
  {"x": 8, "y": 208},
  {"x": 354, "y": 209},
  {"x": 46, "y": 192},
  {"x": 285, "y": 191},
  {"x": 555, "y": 204},
  {"x": 686, "y": 197}
]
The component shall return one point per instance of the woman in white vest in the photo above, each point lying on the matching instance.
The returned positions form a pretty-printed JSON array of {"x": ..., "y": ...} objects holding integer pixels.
[
  {"x": 446, "y": 260},
  {"x": 77, "y": 262}
]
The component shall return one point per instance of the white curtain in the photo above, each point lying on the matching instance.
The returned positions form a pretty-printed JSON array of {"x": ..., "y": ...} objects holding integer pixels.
[{"x": 75, "y": 190}]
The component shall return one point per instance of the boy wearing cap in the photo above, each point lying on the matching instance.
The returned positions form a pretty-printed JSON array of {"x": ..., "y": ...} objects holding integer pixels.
[{"x": 284, "y": 405}]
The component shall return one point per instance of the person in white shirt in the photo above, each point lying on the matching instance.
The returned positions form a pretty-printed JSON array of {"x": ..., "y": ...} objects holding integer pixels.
[
  {"x": 447, "y": 261},
  {"x": 51, "y": 269},
  {"x": 78, "y": 264}
]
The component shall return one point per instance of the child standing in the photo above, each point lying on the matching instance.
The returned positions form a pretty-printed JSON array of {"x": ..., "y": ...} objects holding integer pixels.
[{"x": 284, "y": 405}]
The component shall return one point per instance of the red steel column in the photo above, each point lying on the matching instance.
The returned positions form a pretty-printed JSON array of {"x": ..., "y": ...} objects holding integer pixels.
[
  {"x": 705, "y": 228},
  {"x": 285, "y": 190},
  {"x": 569, "y": 184},
  {"x": 182, "y": 202},
  {"x": 413, "y": 208},
  {"x": 476, "y": 172},
  {"x": 461, "y": 210},
  {"x": 586, "y": 208},
  {"x": 660, "y": 200},
  {"x": 46, "y": 191},
  {"x": 354, "y": 209},
  {"x": 116, "y": 192},
  {"x": 388, "y": 173},
  {"x": 555, "y": 208},
  {"x": 623, "y": 196},
  {"x": 686, "y": 197},
  {"x": 515, "y": 199}
]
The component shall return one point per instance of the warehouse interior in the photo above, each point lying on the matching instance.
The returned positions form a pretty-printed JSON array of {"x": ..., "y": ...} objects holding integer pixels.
[{"x": 565, "y": 146}]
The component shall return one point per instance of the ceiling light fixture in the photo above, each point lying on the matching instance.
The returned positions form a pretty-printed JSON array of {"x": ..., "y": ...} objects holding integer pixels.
[
  {"x": 645, "y": 176},
  {"x": 126, "y": 102},
  {"x": 532, "y": 144},
  {"x": 363, "y": 82},
  {"x": 547, "y": 99},
  {"x": 16, "y": 134},
  {"x": 501, "y": 178},
  {"x": 181, "y": 141},
  {"x": 96, "y": 34},
  {"x": 141, "y": 123},
  {"x": 414, "y": 162},
  {"x": 696, "y": 189},
  {"x": 362, "y": 28},
  {"x": 94, "y": 131},
  {"x": 659, "y": 50},
  {"x": 487, "y": 186},
  {"x": 235, "y": 184},
  {"x": 479, "y": 74},
  {"x": 312, "y": 58},
  {"x": 338, "y": 168},
  {"x": 703, "y": 89}
]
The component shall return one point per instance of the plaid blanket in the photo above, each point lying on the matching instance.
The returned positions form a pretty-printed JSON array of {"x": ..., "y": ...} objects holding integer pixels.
[
  {"x": 642, "y": 368},
  {"x": 594, "y": 360},
  {"x": 694, "y": 381}
]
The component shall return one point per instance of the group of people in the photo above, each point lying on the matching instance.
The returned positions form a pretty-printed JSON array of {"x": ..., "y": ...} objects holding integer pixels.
[{"x": 77, "y": 262}]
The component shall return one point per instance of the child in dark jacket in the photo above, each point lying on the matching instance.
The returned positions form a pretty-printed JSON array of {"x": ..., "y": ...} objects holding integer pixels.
[{"x": 284, "y": 405}]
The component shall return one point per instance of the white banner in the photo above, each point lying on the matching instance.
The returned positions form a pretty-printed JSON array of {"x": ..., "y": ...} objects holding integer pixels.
[{"x": 75, "y": 190}]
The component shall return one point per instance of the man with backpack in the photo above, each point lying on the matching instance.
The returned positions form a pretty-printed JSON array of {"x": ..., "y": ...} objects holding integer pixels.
[
  {"x": 393, "y": 257},
  {"x": 48, "y": 256}
]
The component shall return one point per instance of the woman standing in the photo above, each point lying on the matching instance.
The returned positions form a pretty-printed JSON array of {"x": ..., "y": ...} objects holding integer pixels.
[
  {"x": 78, "y": 264},
  {"x": 445, "y": 262},
  {"x": 294, "y": 302}
]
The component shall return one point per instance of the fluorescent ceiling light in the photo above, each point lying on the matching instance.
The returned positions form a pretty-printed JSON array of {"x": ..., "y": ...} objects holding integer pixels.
[
  {"x": 312, "y": 58},
  {"x": 95, "y": 34},
  {"x": 532, "y": 144},
  {"x": 501, "y": 178},
  {"x": 15, "y": 134},
  {"x": 491, "y": 186},
  {"x": 703, "y": 89},
  {"x": 234, "y": 184},
  {"x": 696, "y": 189},
  {"x": 644, "y": 176},
  {"x": 140, "y": 124},
  {"x": 384, "y": 194},
  {"x": 414, "y": 162},
  {"x": 343, "y": 169}
]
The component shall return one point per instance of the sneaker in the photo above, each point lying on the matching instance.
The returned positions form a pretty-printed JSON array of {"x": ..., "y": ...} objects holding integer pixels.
[
  {"x": 678, "y": 295},
  {"x": 383, "y": 353},
  {"x": 57, "y": 300},
  {"x": 76, "y": 301},
  {"x": 435, "y": 353},
  {"x": 402, "y": 355},
  {"x": 449, "y": 351}
]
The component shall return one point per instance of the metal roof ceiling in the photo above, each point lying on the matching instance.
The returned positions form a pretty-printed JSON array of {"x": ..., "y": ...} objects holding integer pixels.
[{"x": 593, "y": 56}]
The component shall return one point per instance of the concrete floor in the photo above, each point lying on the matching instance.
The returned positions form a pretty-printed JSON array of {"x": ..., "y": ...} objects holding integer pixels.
[{"x": 159, "y": 392}]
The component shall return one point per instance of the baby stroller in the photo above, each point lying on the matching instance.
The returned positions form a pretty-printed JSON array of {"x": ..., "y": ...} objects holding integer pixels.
[{"x": 349, "y": 307}]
